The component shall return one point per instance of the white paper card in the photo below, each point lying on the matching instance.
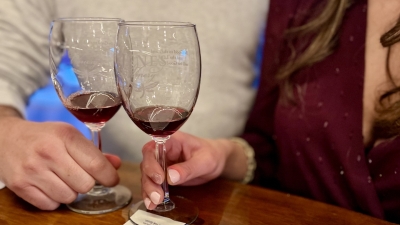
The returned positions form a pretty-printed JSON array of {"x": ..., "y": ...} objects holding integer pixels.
[
  {"x": 129, "y": 223},
  {"x": 2, "y": 185},
  {"x": 141, "y": 217}
]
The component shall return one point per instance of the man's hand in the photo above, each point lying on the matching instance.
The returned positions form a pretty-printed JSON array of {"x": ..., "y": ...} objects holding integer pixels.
[{"x": 50, "y": 163}]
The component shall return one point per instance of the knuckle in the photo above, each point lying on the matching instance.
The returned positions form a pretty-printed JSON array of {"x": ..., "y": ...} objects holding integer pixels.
[
  {"x": 70, "y": 197},
  {"x": 17, "y": 184},
  {"x": 86, "y": 186},
  {"x": 66, "y": 131},
  {"x": 212, "y": 164},
  {"x": 144, "y": 180},
  {"x": 45, "y": 150},
  {"x": 147, "y": 147},
  {"x": 144, "y": 166},
  {"x": 48, "y": 206},
  {"x": 97, "y": 165},
  {"x": 28, "y": 193},
  {"x": 141, "y": 166},
  {"x": 144, "y": 194},
  {"x": 187, "y": 172},
  {"x": 30, "y": 167},
  {"x": 46, "y": 147},
  {"x": 110, "y": 181},
  {"x": 147, "y": 185},
  {"x": 114, "y": 180}
]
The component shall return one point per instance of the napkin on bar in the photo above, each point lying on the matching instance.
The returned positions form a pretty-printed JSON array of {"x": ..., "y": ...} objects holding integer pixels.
[
  {"x": 2, "y": 185},
  {"x": 141, "y": 217}
]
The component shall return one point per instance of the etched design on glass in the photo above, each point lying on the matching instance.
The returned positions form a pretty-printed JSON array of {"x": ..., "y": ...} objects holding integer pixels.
[
  {"x": 87, "y": 88},
  {"x": 158, "y": 67}
]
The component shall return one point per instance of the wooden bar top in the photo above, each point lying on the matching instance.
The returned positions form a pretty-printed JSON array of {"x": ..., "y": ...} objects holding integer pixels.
[{"x": 220, "y": 202}]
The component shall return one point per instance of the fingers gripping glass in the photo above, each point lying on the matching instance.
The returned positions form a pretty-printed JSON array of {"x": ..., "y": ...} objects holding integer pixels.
[
  {"x": 87, "y": 89},
  {"x": 158, "y": 70}
]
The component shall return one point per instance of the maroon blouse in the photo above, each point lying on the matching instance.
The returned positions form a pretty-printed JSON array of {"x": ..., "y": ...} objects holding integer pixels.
[{"x": 315, "y": 149}]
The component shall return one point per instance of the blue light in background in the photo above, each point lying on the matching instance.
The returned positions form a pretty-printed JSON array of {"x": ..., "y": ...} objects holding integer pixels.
[
  {"x": 258, "y": 59},
  {"x": 44, "y": 104}
]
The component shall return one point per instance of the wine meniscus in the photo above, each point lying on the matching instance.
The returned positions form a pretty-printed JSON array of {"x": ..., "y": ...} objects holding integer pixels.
[
  {"x": 159, "y": 120},
  {"x": 93, "y": 107}
]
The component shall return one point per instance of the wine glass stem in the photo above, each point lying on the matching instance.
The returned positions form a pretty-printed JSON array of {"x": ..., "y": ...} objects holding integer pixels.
[
  {"x": 95, "y": 129},
  {"x": 96, "y": 138},
  {"x": 160, "y": 154}
]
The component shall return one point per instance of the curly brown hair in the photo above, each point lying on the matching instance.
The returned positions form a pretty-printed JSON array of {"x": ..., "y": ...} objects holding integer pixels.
[{"x": 321, "y": 32}]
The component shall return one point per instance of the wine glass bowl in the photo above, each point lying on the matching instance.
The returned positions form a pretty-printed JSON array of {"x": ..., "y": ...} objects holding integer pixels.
[
  {"x": 158, "y": 70},
  {"x": 87, "y": 88},
  {"x": 93, "y": 107}
]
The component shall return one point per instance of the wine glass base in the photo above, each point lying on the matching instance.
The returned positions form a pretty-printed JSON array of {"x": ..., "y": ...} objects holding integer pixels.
[
  {"x": 185, "y": 211},
  {"x": 107, "y": 200}
]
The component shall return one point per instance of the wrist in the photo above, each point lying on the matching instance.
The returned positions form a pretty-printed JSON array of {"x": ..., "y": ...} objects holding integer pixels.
[
  {"x": 236, "y": 161},
  {"x": 8, "y": 111},
  {"x": 9, "y": 115},
  {"x": 250, "y": 158}
]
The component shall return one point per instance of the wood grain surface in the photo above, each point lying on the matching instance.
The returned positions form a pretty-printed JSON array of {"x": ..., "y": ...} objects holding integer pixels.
[{"x": 219, "y": 202}]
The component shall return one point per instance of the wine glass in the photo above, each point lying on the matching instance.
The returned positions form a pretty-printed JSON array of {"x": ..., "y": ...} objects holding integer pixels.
[
  {"x": 88, "y": 90},
  {"x": 158, "y": 69}
]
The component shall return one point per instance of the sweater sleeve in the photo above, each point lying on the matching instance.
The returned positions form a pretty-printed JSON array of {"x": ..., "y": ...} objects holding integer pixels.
[
  {"x": 259, "y": 127},
  {"x": 24, "y": 28},
  {"x": 258, "y": 131}
]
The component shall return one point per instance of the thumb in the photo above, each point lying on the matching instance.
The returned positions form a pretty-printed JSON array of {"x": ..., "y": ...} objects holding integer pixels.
[{"x": 114, "y": 160}]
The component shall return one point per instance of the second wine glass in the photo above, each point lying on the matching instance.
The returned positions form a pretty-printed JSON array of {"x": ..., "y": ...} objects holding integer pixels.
[
  {"x": 87, "y": 88},
  {"x": 158, "y": 69}
]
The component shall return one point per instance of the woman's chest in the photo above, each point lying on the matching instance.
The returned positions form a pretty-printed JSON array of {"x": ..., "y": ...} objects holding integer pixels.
[
  {"x": 339, "y": 95},
  {"x": 382, "y": 16}
]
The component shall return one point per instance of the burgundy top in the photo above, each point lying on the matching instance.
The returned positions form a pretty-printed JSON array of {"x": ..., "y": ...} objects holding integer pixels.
[{"x": 315, "y": 149}]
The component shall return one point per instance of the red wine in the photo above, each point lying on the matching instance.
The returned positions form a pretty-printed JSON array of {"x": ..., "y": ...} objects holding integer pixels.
[
  {"x": 93, "y": 107},
  {"x": 159, "y": 120}
]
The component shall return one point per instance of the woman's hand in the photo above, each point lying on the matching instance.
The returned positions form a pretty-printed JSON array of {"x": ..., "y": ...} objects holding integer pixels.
[
  {"x": 50, "y": 163},
  {"x": 193, "y": 161}
]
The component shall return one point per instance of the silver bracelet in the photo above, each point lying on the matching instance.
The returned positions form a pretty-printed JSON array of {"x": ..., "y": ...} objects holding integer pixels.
[{"x": 251, "y": 162}]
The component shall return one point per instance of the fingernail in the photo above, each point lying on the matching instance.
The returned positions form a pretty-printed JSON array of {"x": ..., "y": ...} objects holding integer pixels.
[
  {"x": 147, "y": 202},
  {"x": 157, "y": 178},
  {"x": 174, "y": 175},
  {"x": 155, "y": 197}
]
